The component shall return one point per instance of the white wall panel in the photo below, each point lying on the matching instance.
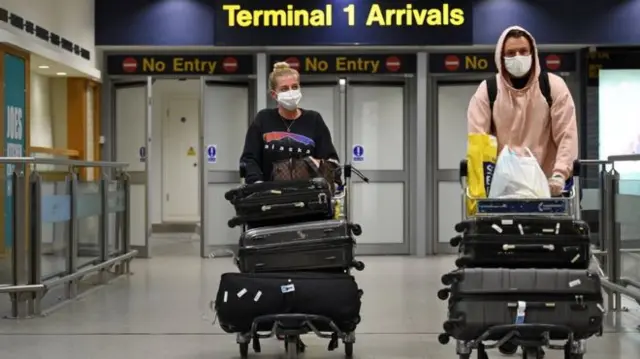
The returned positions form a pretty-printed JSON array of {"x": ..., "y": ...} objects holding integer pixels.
[
  {"x": 130, "y": 125},
  {"x": 225, "y": 126},
  {"x": 449, "y": 209},
  {"x": 453, "y": 101},
  {"x": 218, "y": 212},
  {"x": 379, "y": 209},
  {"x": 378, "y": 126},
  {"x": 40, "y": 112}
]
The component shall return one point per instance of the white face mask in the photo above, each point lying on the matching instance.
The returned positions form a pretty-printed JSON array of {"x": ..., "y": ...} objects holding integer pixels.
[
  {"x": 518, "y": 66},
  {"x": 289, "y": 99}
]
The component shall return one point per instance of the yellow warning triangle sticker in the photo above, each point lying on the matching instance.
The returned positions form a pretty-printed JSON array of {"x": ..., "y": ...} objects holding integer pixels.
[{"x": 191, "y": 152}]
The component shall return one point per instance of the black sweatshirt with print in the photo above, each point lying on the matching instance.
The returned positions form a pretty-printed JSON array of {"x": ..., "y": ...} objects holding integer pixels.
[{"x": 272, "y": 138}]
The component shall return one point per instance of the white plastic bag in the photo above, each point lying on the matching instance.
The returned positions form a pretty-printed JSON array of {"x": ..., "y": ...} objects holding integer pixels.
[{"x": 518, "y": 176}]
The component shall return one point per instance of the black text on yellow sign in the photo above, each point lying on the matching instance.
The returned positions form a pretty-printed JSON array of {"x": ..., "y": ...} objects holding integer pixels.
[
  {"x": 374, "y": 15},
  {"x": 353, "y": 64},
  {"x": 180, "y": 65}
]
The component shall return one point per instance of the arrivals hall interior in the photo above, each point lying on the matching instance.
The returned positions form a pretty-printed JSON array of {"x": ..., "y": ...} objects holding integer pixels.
[{"x": 123, "y": 125}]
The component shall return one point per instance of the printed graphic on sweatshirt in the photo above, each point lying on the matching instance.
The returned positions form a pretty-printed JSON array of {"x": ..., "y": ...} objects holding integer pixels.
[{"x": 282, "y": 141}]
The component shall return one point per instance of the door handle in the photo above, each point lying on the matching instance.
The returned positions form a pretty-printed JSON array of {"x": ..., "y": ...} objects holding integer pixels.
[
  {"x": 195, "y": 165},
  {"x": 167, "y": 197}
]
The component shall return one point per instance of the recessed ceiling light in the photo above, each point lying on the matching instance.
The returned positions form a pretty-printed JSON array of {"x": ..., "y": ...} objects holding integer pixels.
[
  {"x": 43, "y": 67},
  {"x": 61, "y": 73}
]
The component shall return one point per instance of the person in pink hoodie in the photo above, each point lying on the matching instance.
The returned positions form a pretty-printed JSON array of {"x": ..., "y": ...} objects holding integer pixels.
[{"x": 521, "y": 115}]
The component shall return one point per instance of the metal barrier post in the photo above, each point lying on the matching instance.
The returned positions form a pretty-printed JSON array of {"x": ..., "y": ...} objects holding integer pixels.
[
  {"x": 126, "y": 225},
  {"x": 608, "y": 235},
  {"x": 36, "y": 240},
  {"x": 104, "y": 224},
  {"x": 71, "y": 287},
  {"x": 616, "y": 239},
  {"x": 20, "y": 302},
  {"x": 602, "y": 203}
]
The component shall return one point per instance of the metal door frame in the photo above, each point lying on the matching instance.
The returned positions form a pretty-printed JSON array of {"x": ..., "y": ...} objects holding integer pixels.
[
  {"x": 452, "y": 175},
  {"x": 218, "y": 176}
]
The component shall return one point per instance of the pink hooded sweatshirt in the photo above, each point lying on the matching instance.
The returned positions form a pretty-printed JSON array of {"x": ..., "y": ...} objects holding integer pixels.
[{"x": 522, "y": 118}]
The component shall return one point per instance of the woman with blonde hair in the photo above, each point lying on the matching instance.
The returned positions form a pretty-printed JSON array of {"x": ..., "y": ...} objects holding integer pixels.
[{"x": 285, "y": 132}]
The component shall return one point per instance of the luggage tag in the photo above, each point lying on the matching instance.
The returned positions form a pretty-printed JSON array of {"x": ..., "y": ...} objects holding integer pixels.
[
  {"x": 521, "y": 312},
  {"x": 287, "y": 288}
]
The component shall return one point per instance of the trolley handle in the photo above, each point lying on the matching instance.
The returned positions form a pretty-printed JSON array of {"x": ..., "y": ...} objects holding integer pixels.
[
  {"x": 349, "y": 169},
  {"x": 464, "y": 169}
]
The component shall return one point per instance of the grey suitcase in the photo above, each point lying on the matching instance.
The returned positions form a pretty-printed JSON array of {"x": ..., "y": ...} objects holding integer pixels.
[
  {"x": 321, "y": 245},
  {"x": 570, "y": 301}
]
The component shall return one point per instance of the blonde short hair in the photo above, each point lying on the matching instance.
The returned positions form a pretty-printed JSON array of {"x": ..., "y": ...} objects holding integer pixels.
[{"x": 281, "y": 69}]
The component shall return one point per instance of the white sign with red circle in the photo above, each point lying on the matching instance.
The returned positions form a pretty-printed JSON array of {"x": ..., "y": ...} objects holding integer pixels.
[
  {"x": 129, "y": 65},
  {"x": 553, "y": 62},
  {"x": 293, "y": 62},
  {"x": 451, "y": 62},
  {"x": 393, "y": 63},
  {"x": 229, "y": 64}
]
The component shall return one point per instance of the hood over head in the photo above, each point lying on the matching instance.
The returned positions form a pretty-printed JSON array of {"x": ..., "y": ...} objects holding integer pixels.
[{"x": 499, "y": 54}]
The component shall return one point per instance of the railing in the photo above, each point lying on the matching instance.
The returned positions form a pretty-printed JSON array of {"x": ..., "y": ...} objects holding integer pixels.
[
  {"x": 56, "y": 219},
  {"x": 619, "y": 227}
]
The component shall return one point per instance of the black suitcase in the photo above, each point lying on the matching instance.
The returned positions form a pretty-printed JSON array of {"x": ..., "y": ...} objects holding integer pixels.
[
  {"x": 281, "y": 200},
  {"x": 318, "y": 245},
  {"x": 523, "y": 242},
  {"x": 243, "y": 297},
  {"x": 480, "y": 299}
]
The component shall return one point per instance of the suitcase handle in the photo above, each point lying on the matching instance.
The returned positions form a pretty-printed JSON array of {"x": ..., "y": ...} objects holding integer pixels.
[
  {"x": 528, "y": 247},
  {"x": 267, "y": 208},
  {"x": 537, "y": 305}
]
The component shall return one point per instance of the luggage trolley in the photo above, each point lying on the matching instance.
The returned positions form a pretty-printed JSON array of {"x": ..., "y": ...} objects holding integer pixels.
[
  {"x": 290, "y": 327},
  {"x": 531, "y": 337}
]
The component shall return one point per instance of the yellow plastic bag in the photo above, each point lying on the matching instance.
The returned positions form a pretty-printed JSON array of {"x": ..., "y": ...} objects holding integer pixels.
[{"x": 482, "y": 153}]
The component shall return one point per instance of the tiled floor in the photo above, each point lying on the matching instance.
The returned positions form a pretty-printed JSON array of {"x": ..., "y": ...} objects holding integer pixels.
[{"x": 161, "y": 311}]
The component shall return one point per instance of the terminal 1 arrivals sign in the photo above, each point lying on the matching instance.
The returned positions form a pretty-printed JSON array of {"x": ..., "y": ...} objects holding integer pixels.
[
  {"x": 200, "y": 65},
  {"x": 344, "y": 22},
  {"x": 485, "y": 62},
  {"x": 350, "y": 64}
]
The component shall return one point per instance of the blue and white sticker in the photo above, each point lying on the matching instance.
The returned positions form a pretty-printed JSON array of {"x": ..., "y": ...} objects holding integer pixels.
[
  {"x": 358, "y": 153},
  {"x": 212, "y": 154},
  {"x": 142, "y": 152}
]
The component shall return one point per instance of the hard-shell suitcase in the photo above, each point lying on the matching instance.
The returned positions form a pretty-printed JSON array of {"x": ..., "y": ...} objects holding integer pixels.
[
  {"x": 243, "y": 297},
  {"x": 521, "y": 242},
  {"x": 317, "y": 245},
  {"x": 281, "y": 200},
  {"x": 517, "y": 225},
  {"x": 479, "y": 299}
]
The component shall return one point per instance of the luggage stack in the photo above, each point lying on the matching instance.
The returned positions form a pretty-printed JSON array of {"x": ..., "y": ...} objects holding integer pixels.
[
  {"x": 522, "y": 281},
  {"x": 294, "y": 259}
]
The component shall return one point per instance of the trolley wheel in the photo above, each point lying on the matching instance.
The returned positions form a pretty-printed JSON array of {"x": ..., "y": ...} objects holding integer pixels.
[
  {"x": 356, "y": 230},
  {"x": 532, "y": 353},
  {"x": 244, "y": 350},
  {"x": 464, "y": 356},
  {"x": 443, "y": 338},
  {"x": 455, "y": 241},
  {"x": 348, "y": 350},
  {"x": 569, "y": 355},
  {"x": 443, "y": 294},
  {"x": 293, "y": 346},
  {"x": 358, "y": 265},
  {"x": 508, "y": 348}
]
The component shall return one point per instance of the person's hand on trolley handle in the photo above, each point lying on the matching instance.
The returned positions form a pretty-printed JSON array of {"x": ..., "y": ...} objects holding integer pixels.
[{"x": 556, "y": 184}]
